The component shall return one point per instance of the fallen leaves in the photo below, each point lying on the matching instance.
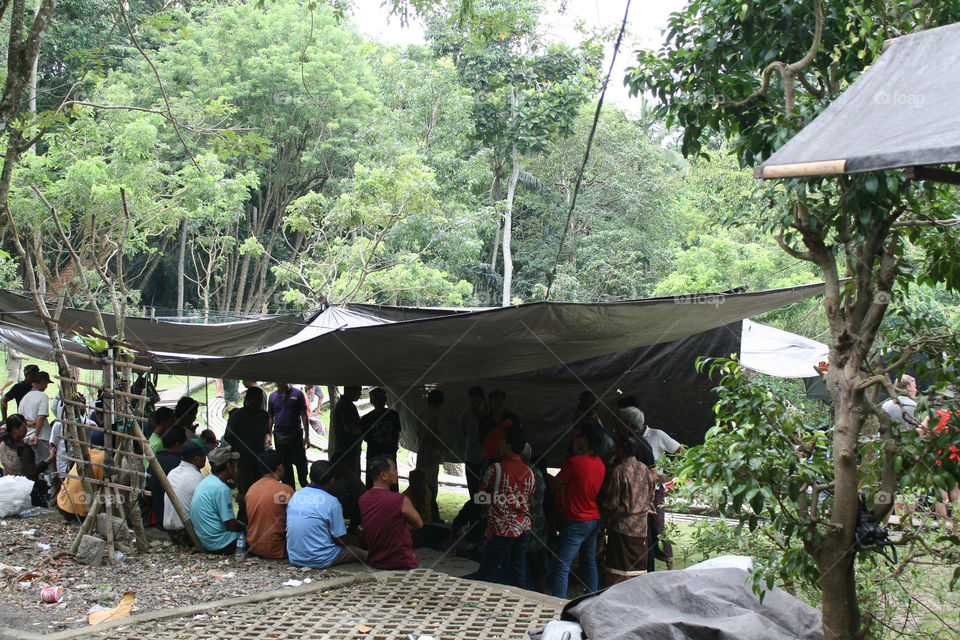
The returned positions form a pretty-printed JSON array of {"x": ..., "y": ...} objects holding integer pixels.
[{"x": 122, "y": 610}]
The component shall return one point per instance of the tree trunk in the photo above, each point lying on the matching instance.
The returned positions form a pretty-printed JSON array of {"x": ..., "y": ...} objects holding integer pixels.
[
  {"x": 181, "y": 258},
  {"x": 837, "y": 555},
  {"x": 508, "y": 229}
]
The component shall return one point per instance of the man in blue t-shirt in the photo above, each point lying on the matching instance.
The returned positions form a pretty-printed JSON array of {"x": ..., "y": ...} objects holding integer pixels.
[
  {"x": 290, "y": 427},
  {"x": 211, "y": 510},
  {"x": 315, "y": 526}
]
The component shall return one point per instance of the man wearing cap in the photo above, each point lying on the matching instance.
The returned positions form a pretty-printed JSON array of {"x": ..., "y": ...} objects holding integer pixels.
[
  {"x": 212, "y": 507},
  {"x": 19, "y": 390},
  {"x": 35, "y": 407},
  {"x": 184, "y": 481}
]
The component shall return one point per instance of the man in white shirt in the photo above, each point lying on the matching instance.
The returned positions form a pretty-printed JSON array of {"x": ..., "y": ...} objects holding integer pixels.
[
  {"x": 184, "y": 480},
  {"x": 659, "y": 441},
  {"x": 903, "y": 410},
  {"x": 35, "y": 407}
]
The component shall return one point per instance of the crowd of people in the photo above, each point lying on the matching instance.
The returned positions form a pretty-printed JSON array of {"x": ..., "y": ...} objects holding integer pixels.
[{"x": 254, "y": 485}]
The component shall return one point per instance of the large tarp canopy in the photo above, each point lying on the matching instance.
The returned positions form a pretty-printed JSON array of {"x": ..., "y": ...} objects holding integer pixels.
[
  {"x": 463, "y": 346},
  {"x": 902, "y": 112},
  {"x": 543, "y": 355}
]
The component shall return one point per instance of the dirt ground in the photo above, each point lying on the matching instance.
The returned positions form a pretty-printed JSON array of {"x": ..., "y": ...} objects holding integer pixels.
[{"x": 166, "y": 577}]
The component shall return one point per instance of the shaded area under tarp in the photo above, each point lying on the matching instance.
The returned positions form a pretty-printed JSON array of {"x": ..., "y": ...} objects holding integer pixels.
[
  {"x": 663, "y": 377},
  {"x": 221, "y": 339},
  {"x": 900, "y": 112},
  {"x": 696, "y": 604}
]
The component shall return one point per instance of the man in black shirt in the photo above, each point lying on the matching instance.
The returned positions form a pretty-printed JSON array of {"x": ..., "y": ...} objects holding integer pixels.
[
  {"x": 19, "y": 390},
  {"x": 381, "y": 430},
  {"x": 346, "y": 430}
]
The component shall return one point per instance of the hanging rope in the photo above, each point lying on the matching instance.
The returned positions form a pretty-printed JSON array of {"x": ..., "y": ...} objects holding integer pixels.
[{"x": 586, "y": 155}]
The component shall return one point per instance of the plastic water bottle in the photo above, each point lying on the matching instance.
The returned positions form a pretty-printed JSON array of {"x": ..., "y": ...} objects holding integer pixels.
[
  {"x": 28, "y": 513},
  {"x": 241, "y": 553}
]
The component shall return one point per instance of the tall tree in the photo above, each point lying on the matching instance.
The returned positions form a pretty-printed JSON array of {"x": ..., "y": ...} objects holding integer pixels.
[
  {"x": 295, "y": 88},
  {"x": 756, "y": 72},
  {"x": 527, "y": 93}
]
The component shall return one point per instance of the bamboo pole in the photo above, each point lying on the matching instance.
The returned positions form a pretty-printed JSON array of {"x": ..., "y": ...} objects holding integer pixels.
[
  {"x": 162, "y": 479},
  {"x": 104, "y": 360}
]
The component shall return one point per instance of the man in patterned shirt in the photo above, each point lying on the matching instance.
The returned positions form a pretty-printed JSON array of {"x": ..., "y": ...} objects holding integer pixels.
[
  {"x": 507, "y": 489},
  {"x": 626, "y": 504}
]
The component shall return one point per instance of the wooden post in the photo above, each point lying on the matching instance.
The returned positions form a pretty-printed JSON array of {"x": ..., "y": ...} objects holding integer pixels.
[{"x": 162, "y": 478}]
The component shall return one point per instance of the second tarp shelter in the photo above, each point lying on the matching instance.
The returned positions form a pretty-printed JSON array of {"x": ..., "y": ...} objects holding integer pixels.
[{"x": 901, "y": 112}]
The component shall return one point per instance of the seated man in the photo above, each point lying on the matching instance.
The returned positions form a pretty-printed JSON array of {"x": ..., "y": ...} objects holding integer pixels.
[
  {"x": 169, "y": 458},
  {"x": 72, "y": 501},
  {"x": 266, "y": 501},
  {"x": 212, "y": 507},
  {"x": 315, "y": 526},
  {"x": 388, "y": 518},
  {"x": 184, "y": 480}
]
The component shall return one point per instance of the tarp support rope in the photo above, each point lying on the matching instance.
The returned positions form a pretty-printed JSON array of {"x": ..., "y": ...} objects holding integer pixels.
[{"x": 586, "y": 155}]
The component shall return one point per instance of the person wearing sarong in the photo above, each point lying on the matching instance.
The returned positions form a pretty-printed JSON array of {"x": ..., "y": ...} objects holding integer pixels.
[{"x": 626, "y": 505}]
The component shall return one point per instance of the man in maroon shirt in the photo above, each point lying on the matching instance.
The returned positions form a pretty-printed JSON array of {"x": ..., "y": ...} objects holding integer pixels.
[
  {"x": 507, "y": 487},
  {"x": 388, "y": 518},
  {"x": 580, "y": 479}
]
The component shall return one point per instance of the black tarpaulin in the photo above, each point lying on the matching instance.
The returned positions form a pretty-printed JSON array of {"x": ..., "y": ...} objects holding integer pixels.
[
  {"x": 488, "y": 343},
  {"x": 901, "y": 112}
]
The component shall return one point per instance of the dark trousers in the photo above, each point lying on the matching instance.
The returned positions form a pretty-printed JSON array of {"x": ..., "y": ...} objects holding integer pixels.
[
  {"x": 473, "y": 472},
  {"x": 290, "y": 448},
  {"x": 505, "y": 561}
]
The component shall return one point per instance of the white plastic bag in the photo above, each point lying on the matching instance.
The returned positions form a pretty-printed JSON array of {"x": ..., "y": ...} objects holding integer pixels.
[{"x": 14, "y": 495}]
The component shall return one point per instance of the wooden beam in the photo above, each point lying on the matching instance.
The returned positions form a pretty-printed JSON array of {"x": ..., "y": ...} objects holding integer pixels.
[
  {"x": 801, "y": 169},
  {"x": 929, "y": 174}
]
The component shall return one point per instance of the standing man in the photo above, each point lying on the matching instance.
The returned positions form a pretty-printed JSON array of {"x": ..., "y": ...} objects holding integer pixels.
[
  {"x": 184, "y": 480},
  {"x": 35, "y": 407},
  {"x": 246, "y": 433},
  {"x": 627, "y": 505},
  {"x": 388, "y": 519},
  {"x": 381, "y": 431},
  {"x": 315, "y": 527},
  {"x": 266, "y": 504},
  {"x": 291, "y": 431},
  {"x": 508, "y": 487},
  {"x": 470, "y": 430},
  {"x": 346, "y": 430},
  {"x": 429, "y": 456},
  {"x": 660, "y": 443},
  {"x": 580, "y": 478},
  {"x": 14, "y": 365},
  {"x": 212, "y": 508},
  {"x": 19, "y": 390}
]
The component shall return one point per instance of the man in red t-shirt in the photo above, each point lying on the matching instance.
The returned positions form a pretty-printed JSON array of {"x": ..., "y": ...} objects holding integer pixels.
[
  {"x": 266, "y": 501},
  {"x": 388, "y": 518},
  {"x": 579, "y": 480},
  {"x": 507, "y": 488}
]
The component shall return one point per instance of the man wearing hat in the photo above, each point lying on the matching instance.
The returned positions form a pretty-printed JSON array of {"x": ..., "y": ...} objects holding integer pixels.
[
  {"x": 184, "y": 481},
  {"x": 212, "y": 507},
  {"x": 35, "y": 407}
]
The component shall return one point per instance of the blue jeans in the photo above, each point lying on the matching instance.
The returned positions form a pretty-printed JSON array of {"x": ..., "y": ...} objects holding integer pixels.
[
  {"x": 504, "y": 561},
  {"x": 582, "y": 537}
]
